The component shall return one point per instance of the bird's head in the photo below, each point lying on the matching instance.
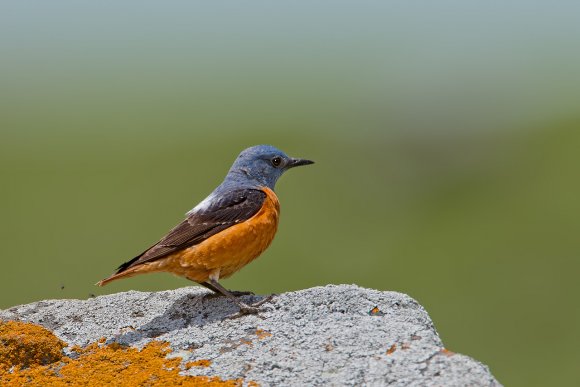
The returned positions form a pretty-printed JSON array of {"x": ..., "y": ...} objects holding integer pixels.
[{"x": 263, "y": 165}]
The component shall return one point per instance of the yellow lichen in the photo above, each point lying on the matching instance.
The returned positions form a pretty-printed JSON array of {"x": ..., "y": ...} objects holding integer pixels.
[
  {"x": 446, "y": 352},
  {"x": 31, "y": 355},
  {"x": 262, "y": 334},
  {"x": 198, "y": 363},
  {"x": 26, "y": 345}
]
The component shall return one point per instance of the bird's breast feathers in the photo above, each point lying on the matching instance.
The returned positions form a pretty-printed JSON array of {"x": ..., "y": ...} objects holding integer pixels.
[{"x": 234, "y": 247}]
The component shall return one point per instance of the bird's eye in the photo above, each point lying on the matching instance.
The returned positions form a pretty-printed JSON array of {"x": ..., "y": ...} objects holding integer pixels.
[{"x": 276, "y": 161}]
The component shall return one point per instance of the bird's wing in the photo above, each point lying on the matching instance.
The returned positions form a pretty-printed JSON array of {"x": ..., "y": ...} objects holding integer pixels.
[{"x": 216, "y": 214}]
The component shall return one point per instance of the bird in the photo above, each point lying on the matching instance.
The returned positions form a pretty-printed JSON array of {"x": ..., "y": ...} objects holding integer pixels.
[{"x": 225, "y": 231}]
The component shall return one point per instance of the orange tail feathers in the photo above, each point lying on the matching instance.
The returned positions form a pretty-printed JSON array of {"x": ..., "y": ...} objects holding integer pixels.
[{"x": 124, "y": 274}]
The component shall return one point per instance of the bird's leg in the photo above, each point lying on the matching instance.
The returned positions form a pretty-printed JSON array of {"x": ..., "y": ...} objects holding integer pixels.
[
  {"x": 244, "y": 308},
  {"x": 233, "y": 292}
]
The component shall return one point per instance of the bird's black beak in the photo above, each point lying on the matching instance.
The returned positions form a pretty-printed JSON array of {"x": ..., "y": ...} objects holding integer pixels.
[{"x": 298, "y": 162}]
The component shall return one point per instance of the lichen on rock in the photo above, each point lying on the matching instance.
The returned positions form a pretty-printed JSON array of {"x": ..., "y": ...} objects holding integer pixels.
[
  {"x": 31, "y": 355},
  {"x": 23, "y": 345}
]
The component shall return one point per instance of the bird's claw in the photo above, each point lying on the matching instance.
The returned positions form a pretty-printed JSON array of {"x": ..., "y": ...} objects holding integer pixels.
[
  {"x": 251, "y": 309},
  {"x": 238, "y": 293},
  {"x": 235, "y": 293},
  {"x": 263, "y": 301}
]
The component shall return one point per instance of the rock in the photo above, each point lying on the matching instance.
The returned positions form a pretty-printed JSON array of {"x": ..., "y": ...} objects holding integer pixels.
[
  {"x": 332, "y": 335},
  {"x": 27, "y": 345}
]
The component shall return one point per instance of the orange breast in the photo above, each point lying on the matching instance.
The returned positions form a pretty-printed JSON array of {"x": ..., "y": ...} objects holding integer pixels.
[{"x": 231, "y": 249}]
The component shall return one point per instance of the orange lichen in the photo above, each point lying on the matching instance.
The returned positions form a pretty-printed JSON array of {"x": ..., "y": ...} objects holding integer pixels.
[
  {"x": 392, "y": 349},
  {"x": 447, "y": 352},
  {"x": 376, "y": 312},
  {"x": 198, "y": 363},
  {"x": 28, "y": 345},
  {"x": 262, "y": 334}
]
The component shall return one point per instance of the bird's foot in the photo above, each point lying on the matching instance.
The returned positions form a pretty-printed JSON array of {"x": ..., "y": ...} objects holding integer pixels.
[
  {"x": 238, "y": 293},
  {"x": 250, "y": 309},
  {"x": 263, "y": 301},
  {"x": 235, "y": 293}
]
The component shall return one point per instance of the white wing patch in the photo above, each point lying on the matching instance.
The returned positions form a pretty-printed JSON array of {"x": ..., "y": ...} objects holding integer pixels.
[{"x": 202, "y": 206}]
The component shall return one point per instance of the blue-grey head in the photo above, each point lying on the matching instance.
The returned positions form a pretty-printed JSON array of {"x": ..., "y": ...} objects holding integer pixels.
[{"x": 261, "y": 165}]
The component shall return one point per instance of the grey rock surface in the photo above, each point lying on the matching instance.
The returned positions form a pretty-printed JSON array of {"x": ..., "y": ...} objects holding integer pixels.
[{"x": 332, "y": 335}]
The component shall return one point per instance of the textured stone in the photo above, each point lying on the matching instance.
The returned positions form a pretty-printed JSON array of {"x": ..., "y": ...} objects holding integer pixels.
[{"x": 332, "y": 335}]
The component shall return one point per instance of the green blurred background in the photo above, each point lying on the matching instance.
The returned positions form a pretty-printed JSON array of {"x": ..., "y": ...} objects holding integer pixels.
[{"x": 446, "y": 135}]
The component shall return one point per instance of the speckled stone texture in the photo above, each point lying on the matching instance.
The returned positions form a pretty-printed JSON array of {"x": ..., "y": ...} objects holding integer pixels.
[{"x": 331, "y": 335}]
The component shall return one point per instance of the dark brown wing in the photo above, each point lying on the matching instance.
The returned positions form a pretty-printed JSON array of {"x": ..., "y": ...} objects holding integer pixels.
[{"x": 221, "y": 212}]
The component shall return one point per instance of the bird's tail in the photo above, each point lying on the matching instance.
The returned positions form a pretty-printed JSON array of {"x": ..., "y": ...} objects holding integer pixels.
[{"x": 116, "y": 276}]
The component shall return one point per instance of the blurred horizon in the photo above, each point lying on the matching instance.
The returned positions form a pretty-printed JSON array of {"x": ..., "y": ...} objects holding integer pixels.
[{"x": 445, "y": 136}]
